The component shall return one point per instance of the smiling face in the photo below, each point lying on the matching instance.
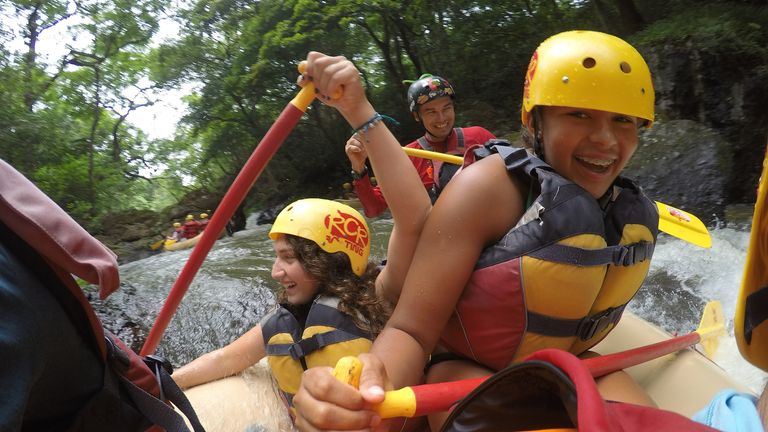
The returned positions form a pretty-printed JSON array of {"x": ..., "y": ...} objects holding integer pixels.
[
  {"x": 588, "y": 147},
  {"x": 299, "y": 286},
  {"x": 438, "y": 117}
]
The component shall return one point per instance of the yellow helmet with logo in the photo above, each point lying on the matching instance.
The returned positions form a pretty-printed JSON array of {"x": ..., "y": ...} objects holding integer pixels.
[
  {"x": 591, "y": 70},
  {"x": 334, "y": 226},
  {"x": 203, "y": 215}
]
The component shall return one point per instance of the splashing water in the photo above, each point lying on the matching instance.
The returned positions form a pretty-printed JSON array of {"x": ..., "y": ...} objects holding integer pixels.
[
  {"x": 233, "y": 290},
  {"x": 683, "y": 277}
]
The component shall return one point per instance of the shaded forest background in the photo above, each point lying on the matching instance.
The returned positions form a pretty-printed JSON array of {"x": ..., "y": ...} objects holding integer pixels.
[{"x": 64, "y": 120}]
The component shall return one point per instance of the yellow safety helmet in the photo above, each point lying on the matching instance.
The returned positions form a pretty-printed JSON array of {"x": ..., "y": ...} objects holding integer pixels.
[
  {"x": 176, "y": 224},
  {"x": 334, "y": 226},
  {"x": 190, "y": 217},
  {"x": 203, "y": 215},
  {"x": 591, "y": 70}
]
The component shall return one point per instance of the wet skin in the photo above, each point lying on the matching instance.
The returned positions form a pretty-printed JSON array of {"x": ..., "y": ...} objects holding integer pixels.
[{"x": 588, "y": 147}]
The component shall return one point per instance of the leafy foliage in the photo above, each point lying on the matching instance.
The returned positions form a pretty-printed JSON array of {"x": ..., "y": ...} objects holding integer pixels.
[{"x": 65, "y": 117}]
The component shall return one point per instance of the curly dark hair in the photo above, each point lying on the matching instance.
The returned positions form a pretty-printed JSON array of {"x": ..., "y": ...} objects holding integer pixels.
[{"x": 333, "y": 271}]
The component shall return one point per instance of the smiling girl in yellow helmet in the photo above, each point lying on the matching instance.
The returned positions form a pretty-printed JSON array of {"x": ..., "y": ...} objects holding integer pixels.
[
  {"x": 564, "y": 242},
  {"x": 328, "y": 302}
]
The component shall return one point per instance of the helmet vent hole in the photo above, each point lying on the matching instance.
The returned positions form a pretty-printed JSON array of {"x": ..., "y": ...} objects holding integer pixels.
[
  {"x": 625, "y": 67},
  {"x": 589, "y": 63}
]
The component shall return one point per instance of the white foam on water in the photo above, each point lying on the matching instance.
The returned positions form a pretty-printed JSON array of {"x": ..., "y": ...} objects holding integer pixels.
[{"x": 712, "y": 274}]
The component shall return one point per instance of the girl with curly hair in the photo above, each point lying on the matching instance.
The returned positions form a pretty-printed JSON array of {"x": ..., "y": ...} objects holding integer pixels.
[{"x": 331, "y": 302}]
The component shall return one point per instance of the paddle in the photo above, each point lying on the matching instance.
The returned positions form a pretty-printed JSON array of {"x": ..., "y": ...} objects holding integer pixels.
[
  {"x": 156, "y": 245},
  {"x": 672, "y": 221},
  {"x": 428, "y": 398},
  {"x": 264, "y": 151}
]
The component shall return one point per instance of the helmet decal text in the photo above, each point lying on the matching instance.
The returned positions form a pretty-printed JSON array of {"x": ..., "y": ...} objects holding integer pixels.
[
  {"x": 529, "y": 74},
  {"x": 346, "y": 228}
]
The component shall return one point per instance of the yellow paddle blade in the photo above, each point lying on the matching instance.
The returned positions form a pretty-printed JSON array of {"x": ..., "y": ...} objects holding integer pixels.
[
  {"x": 156, "y": 245},
  {"x": 711, "y": 327},
  {"x": 683, "y": 225}
]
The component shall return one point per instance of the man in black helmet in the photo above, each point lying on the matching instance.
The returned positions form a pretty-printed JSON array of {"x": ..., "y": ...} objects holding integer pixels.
[{"x": 430, "y": 99}]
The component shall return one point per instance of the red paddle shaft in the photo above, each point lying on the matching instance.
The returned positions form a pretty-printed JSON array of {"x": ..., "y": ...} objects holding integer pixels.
[
  {"x": 253, "y": 167},
  {"x": 430, "y": 398}
]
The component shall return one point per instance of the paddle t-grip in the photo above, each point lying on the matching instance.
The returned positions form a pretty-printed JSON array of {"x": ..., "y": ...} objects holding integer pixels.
[{"x": 303, "y": 68}]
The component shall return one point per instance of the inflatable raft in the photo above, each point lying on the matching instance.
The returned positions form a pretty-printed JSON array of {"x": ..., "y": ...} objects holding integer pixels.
[
  {"x": 683, "y": 382},
  {"x": 173, "y": 245}
]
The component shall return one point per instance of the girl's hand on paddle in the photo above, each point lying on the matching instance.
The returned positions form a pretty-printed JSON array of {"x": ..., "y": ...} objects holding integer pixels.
[
  {"x": 337, "y": 82},
  {"x": 356, "y": 153},
  {"x": 325, "y": 403}
]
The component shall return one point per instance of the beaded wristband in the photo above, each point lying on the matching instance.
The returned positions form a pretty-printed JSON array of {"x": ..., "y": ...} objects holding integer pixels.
[{"x": 372, "y": 122}]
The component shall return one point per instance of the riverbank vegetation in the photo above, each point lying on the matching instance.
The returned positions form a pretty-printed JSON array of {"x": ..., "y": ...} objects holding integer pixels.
[{"x": 65, "y": 120}]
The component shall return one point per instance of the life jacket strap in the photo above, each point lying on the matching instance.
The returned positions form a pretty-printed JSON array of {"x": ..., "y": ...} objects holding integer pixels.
[
  {"x": 618, "y": 255},
  {"x": 156, "y": 410},
  {"x": 459, "y": 141},
  {"x": 307, "y": 346},
  {"x": 584, "y": 328},
  {"x": 755, "y": 311}
]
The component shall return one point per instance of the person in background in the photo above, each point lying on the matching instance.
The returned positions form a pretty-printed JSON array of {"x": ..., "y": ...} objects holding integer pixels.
[
  {"x": 191, "y": 227},
  {"x": 326, "y": 280},
  {"x": 203, "y": 221},
  {"x": 348, "y": 191},
  {"x": 468, "y": 309},
  {"x": 431, "y": 102},
  {"x": 178, "y": 232}
]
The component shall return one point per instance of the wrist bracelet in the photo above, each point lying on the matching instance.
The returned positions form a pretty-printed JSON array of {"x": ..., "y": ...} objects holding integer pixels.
[
  {"x": 359, "y": 175},
  {"x": 372, "y": 122}
]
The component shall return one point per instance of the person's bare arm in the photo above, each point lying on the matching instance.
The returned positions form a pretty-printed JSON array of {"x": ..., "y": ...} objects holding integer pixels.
[
  {"x": 476, "y": 209},
  {"x": 223, "y": 362}
]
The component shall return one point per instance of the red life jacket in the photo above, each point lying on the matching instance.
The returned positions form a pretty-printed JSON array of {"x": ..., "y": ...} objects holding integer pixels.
[
  {"x": 553, "y": 389},
  {"x": 191, "y": 228},
  {"x": 442, "y": 173},
  {"x": 136, "y": 389},
  {"x": 203, "y": 224}
]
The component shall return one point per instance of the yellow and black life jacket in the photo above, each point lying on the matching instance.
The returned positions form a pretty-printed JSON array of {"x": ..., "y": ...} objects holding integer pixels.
[
  {"x": 327, "y": 336},
  {"x": 561, "y": 277}
]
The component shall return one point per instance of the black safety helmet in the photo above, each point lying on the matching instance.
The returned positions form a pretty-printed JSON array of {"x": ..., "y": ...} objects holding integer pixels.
[{"x": 428, "y": 87}]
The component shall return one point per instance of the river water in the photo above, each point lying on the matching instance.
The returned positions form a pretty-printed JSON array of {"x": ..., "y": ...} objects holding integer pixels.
[{"x": 233, "y": 290}]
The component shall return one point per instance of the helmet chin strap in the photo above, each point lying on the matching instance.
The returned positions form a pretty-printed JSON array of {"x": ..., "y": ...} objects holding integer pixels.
[{"x": 538, "y": 145}]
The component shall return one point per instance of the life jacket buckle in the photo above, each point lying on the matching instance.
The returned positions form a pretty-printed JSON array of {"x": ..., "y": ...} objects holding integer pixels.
[
  {"x": 158, "y": 365},
  {"x": 594, "y": 324},
  {"x": 155, "y": 360},
  {"x": 632, "y": 254},
  {"x": 304, "y": 347}
]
